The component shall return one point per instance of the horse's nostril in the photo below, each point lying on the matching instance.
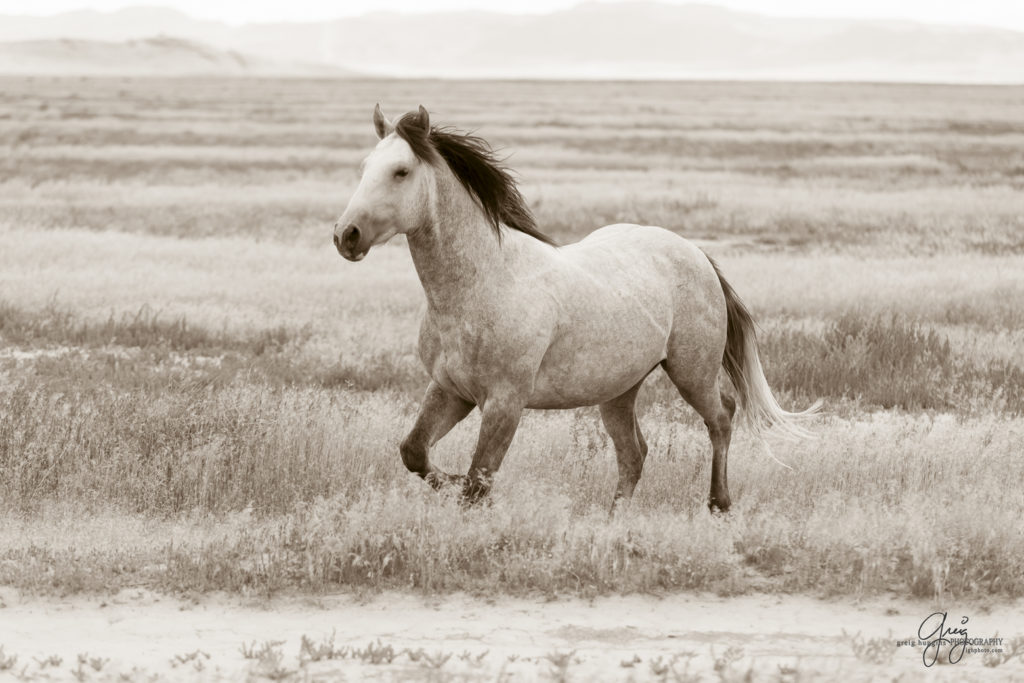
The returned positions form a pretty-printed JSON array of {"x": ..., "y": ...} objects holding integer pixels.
[
  {"x": 350, "y": 238},
  {"x": 347, "y": 242}
]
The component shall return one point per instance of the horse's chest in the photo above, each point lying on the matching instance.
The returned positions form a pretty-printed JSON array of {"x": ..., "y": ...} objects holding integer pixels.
[{"x": 458, "y": 356}]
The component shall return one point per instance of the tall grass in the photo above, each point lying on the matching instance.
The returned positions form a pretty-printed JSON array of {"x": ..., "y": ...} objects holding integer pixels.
[
  {"x": 282, "y": 478},
  {"x": 297, "y": 484},
  {"x": 308, "y": 492},
  {"x": 891, "y": 362}
]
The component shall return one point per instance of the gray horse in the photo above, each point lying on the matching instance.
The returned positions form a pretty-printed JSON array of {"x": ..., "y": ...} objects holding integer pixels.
[{"x": 514, "y": 321}]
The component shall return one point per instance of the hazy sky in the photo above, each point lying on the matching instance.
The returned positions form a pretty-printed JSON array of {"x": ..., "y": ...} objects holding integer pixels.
[{"x": 1001, "y": 13}]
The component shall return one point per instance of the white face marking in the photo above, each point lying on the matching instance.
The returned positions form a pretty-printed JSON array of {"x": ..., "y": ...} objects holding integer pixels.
[
  {"x": 391, "y": 153},
  {"x": 392, "y": 197}
]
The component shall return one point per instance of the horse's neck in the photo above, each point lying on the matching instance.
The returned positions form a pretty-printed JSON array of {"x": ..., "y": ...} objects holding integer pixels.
[{"x": 456, "y": 253}]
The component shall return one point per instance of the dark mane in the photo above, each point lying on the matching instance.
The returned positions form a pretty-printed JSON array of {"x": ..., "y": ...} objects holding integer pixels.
[{"x": 474, "y": 163}]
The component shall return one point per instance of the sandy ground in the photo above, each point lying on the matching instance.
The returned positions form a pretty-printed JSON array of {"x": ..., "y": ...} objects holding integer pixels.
[{"x": 137, "y": 635}]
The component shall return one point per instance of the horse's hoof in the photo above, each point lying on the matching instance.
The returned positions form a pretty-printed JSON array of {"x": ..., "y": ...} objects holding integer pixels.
[
  {"x": 439, "y": 480},
  {"x": 620, "y": 505},
  {"x": 719, "y": 508},
  {"x": 474, "y": 491}
]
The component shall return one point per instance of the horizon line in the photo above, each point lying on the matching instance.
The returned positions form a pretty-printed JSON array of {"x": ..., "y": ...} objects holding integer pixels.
[{"x": 532, "y": 13}]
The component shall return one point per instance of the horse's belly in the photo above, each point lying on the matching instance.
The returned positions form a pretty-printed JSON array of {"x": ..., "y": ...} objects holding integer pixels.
[
  {"x": 560, "y": 391},
  {"x": 588, "y": 369}
]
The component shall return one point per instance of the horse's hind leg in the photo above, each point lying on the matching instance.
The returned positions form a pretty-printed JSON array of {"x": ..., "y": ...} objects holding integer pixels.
[
  {"x": 619, "y": 417},
  {"x": 717, "y": 409}
]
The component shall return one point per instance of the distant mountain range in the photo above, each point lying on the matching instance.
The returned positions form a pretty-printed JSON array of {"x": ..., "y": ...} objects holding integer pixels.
[
  {"x": 147, "y": 57},
  {"x": 599, "y": 40}
]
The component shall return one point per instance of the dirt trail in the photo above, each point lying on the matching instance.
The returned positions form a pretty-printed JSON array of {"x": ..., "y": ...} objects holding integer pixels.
[{"x": 616, "y": 638}]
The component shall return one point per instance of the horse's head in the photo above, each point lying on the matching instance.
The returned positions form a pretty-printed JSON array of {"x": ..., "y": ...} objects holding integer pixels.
[{"x": 394, "y": 191}]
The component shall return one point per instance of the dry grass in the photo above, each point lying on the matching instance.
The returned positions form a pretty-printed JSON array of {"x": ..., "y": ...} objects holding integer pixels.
[
  {"x": 279, "y": 489},
  {"x": 197, "y": 393},
  {"x": 904, "y": 169}
]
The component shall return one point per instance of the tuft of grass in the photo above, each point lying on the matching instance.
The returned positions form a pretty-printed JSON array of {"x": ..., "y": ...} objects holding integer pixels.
[
  {"x": 315, "y": 652},
  {"x": 52, "y": 660},
  {"x": 196, "y": 657},
  {"x": 435, "y": 661},
  {"x": 7, "y": 661},
  {"x": 261, "y": 651},
  {"x": 890, "y": 362},
  {"x": 559, "y": 662},
  {"x": 270, "y": 662},
  {"x": 376, "y": 653},
  {"x": 872, "y": 650},
  {"x": 1012, "y": 648}
]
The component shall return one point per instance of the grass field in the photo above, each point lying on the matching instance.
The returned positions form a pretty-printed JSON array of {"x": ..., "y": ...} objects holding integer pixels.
[{"x": 197, "y": 393}]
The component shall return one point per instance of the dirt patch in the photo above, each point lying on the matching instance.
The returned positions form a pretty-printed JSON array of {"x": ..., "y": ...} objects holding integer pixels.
[{"x": 137, "y": 634}]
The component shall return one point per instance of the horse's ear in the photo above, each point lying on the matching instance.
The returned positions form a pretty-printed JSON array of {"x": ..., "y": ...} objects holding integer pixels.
[
  {"x": 424, "y": 119},
  {"x": 381, "y": 124}
]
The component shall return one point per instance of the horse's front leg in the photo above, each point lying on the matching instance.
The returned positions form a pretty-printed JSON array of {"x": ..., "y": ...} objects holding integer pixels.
[
  {"x": 500, "y": 417},
  {"x": 439, "y": 413}
]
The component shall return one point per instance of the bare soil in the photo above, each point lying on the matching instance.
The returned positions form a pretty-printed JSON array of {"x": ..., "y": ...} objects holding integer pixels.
[{"x": 138, "y": 635}]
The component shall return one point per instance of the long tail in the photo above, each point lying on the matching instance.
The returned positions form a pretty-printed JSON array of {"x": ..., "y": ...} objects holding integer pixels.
[{"x": 743, "y": 364}]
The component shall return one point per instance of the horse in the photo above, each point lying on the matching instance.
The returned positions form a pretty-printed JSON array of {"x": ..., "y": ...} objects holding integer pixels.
[{"x": 514, "y": 321}]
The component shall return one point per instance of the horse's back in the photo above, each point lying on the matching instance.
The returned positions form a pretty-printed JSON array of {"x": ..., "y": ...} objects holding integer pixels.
[
  {"x": 653, "y": 251},
  {"x": 626, "y": 253}
]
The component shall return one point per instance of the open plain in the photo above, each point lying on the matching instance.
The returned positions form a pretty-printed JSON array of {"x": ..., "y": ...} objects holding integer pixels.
[{"x": 199, "y": 398}]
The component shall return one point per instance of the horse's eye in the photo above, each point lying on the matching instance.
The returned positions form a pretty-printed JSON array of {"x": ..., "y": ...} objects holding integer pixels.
[{"x": 401, "y": 173}]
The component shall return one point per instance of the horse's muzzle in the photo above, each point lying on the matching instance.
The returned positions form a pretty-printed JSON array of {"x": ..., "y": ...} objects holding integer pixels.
[{"x": 348, "y": 243}]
